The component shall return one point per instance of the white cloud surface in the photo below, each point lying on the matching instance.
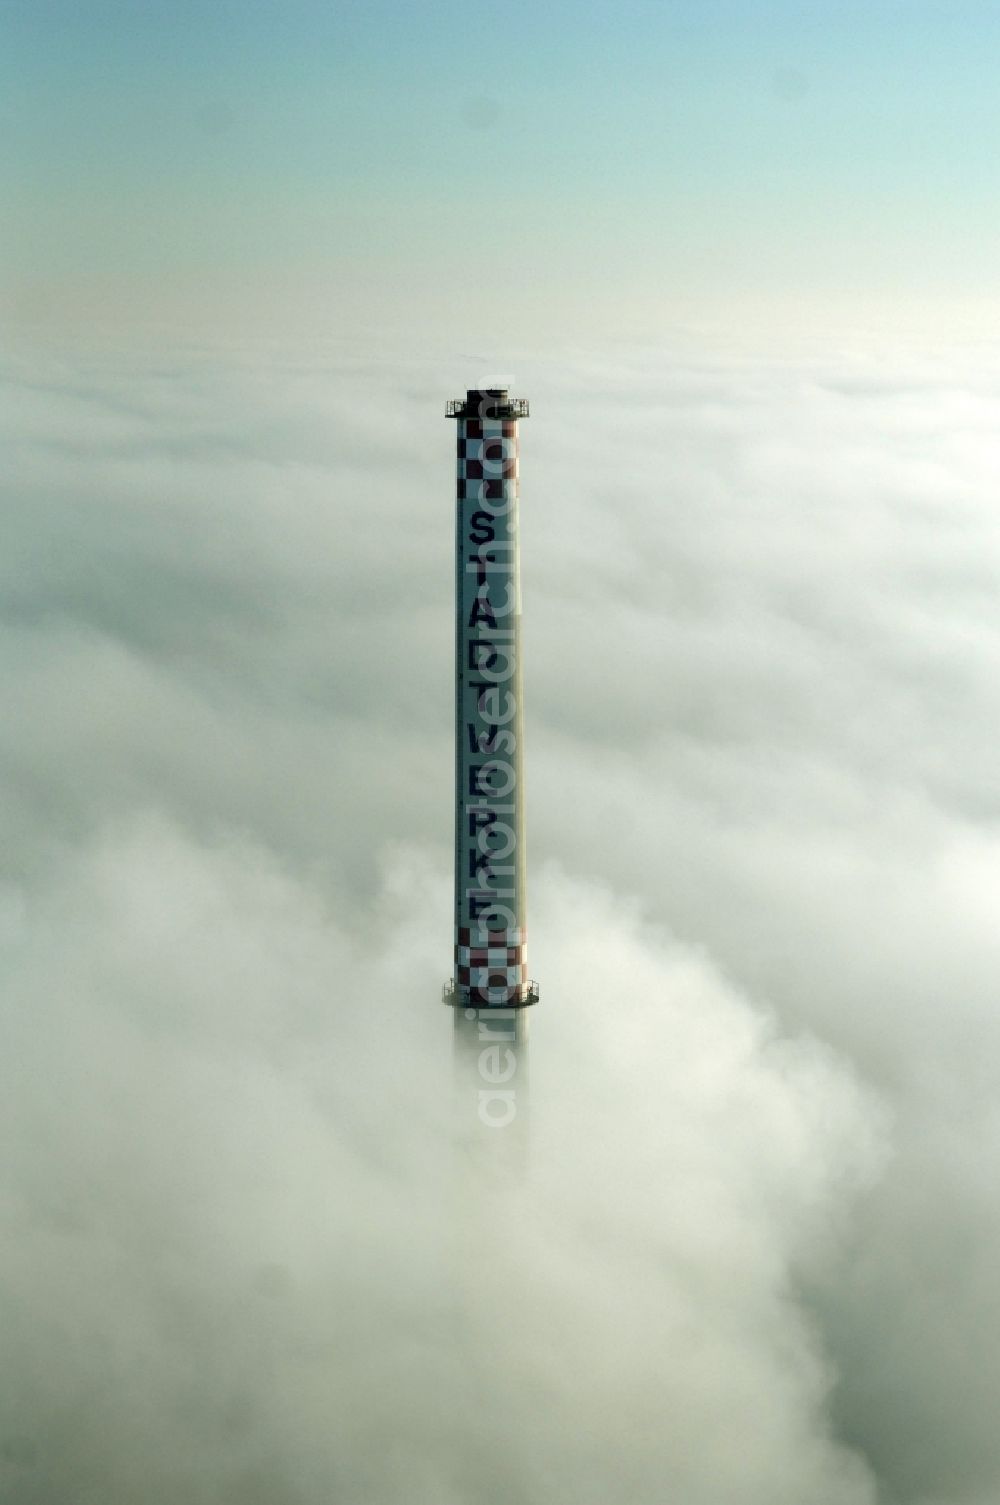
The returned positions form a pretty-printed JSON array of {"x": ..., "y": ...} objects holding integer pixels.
[{"x": 747, "y": 1254}]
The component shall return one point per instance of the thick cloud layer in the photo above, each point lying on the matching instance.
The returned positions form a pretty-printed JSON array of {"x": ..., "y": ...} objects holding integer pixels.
[{"x": 742, "y": 1247}]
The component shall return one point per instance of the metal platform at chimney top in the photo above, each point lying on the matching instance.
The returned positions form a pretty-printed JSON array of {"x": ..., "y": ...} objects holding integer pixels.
[{"x": 487, "y": 405}]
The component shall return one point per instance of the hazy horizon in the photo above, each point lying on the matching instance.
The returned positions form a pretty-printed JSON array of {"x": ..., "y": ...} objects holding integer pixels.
[{"x": 354, "y": 170}]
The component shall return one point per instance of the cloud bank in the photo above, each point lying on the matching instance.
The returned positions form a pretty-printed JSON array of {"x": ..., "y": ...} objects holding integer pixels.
[{"x": 744, "y": 1250}]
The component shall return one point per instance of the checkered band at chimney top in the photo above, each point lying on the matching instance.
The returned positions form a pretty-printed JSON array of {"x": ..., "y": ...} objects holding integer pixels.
[{"x": 491, "y": 966}]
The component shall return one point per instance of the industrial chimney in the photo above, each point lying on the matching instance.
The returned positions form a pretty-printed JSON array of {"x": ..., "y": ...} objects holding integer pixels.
[{"x": 491, "y": 954}]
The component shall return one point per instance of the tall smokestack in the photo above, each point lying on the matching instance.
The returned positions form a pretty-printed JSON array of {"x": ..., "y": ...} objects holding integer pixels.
[{"x": 491, "y": 955}]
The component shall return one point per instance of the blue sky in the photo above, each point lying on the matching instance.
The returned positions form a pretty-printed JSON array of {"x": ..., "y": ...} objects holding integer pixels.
[{"x": 362, "y": 165}]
